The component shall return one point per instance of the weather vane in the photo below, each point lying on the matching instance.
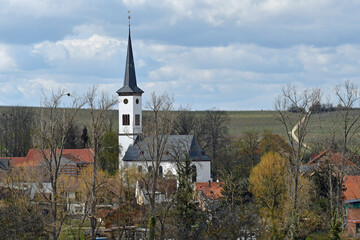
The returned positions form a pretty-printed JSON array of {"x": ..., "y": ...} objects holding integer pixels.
[{"x": 129, "y": 17}]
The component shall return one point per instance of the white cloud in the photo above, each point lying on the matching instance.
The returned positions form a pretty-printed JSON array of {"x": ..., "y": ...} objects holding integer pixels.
[
  {"x": 247, "y": 12},
  {"x": 243, "y": 71},
  {"x": 7, "y": 63},
  {"x": 32, "y": 87},
  {"x": 7, "y": 88},
  {"x": 94, "y": 47},
  {"x": 41, "y": 8},
  {"x": 51, "y": 52},
  {"x": 243, "y": 75}
]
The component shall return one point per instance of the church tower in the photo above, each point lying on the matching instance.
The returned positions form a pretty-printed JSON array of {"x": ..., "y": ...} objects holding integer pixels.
[{"x": 130, "y": 111}]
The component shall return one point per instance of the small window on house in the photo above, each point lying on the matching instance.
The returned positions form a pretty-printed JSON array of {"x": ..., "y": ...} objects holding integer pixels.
[
  {"x": 203, "y": 153},
  {"x": 141, "y": 153},
  {"x": 126, "y": 119},
  {"x": 126, "y": 101},
  {"x": 194, "y": 173},
  {"x": 160, "y": 171},
  {"x": 137, "y": 119},
  {"x": 139, "y": 168},
  {"x": 137, "y": 101},
  {"x": 150, "y": 169}
]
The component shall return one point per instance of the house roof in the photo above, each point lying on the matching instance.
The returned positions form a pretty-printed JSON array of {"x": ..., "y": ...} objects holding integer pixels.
[
  {"x": 130, "y": 87},
  {"x": 352, "y": 187},
  {"x": 35, "y": 157},
  {"x": 17, "y": 161},
  {"x": 176, "y": 146},
  {"x": 336, "y": 158},
  {"x": 4, "y": 164},
  {"x": 210, "y": 190}
]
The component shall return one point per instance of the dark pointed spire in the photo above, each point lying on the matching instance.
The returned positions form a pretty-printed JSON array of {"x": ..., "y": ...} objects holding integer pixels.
[{"x": 130, "y": 87}]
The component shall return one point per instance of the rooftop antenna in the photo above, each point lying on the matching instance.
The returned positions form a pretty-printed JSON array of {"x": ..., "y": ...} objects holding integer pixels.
[{"x": 129, "y": 18}]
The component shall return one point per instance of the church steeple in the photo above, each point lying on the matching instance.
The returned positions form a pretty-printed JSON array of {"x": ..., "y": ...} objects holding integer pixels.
[
  {"x": 130, "y": 106},
  {"x": 130, "y": 87}
]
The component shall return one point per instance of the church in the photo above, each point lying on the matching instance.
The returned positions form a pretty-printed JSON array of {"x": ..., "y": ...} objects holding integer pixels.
[{"x": 135, "y": 147}]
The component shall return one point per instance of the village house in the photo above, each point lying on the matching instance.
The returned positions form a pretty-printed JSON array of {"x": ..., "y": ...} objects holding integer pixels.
[
  {"x": 71, "y": 162},
  {"x": 333, "y": 158},
  {"x": 351, "y": 198},
  {"x": 207, "y": 193},
  {"x": 35, "y": 180},
  {"x": 164, "y": 191}
]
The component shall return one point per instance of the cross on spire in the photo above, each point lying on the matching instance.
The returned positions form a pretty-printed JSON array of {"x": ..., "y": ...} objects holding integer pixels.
[
  {"x": 129, "y": 17},
  {"x": 130, "y": 87}
]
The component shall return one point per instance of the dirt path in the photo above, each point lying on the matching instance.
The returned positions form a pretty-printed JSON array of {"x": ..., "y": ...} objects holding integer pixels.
[{"x": 294, "y": 130}]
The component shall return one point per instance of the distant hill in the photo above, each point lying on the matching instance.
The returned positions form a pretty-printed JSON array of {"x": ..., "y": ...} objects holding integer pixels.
[{"x": 240, "y": 121}]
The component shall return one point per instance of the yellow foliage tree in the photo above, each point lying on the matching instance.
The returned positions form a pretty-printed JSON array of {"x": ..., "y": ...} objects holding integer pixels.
[{"x": 267, "y": 183}]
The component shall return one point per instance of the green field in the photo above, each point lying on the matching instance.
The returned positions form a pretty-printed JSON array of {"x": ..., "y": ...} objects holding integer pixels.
[{"x": 239, "y": 121}]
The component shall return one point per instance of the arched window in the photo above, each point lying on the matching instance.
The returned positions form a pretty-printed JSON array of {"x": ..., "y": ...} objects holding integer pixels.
[
  {"x": 194, "y": 173},
  {"x": 160, "y": 171},
  {"x": 150, "y": 169}
]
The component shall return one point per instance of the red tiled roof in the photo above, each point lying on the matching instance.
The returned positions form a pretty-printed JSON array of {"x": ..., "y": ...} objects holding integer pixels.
[
  {"x": 336, "y": 159},
  {"x": 35, "y": 157},
  {"x": 316, "y": 158},
  {"x": 72, "y": 157},
  {"x": 17, "y": 161},
  {"x": 352, "y": 187},
  {"x": 210, "y": 190},
  {"x": 85, "y": 154}
]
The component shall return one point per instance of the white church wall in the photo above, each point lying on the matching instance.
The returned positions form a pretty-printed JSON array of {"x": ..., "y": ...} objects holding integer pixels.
[
  {"x": 124, "y": 141},
  {"x": 203, "y": 168}
]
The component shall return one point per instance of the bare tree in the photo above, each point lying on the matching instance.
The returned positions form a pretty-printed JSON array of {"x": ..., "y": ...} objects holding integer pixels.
[
  {"x": 247, "y": 146},
  {"x": 187, "y": 122},
  {"x": 16, "y": 124},
  {"x": 216, "y": 134},
  {"x": 302, "y": 101},
  {"x": 99, "y": 107},
  {"x": 209, "y": 128},
  {"x": 157, "y": 130},
  {"x": 50, "y": 136},
  {"x": 348, "y": 123}
]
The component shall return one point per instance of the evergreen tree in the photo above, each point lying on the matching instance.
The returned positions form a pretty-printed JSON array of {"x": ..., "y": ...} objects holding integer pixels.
[
  {"x": 186, "y": 210},
  {"x": 84, "y": 137},
  {"x": 109, "y": 155},
  {"x": 71, "y": 140}
]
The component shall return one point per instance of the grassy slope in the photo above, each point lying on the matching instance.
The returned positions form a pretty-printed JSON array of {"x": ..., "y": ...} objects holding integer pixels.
[{"x": 240, "y": 121}]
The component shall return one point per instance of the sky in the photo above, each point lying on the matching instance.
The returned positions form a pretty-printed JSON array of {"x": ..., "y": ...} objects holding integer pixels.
[{"x": 206, "y": 54}]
